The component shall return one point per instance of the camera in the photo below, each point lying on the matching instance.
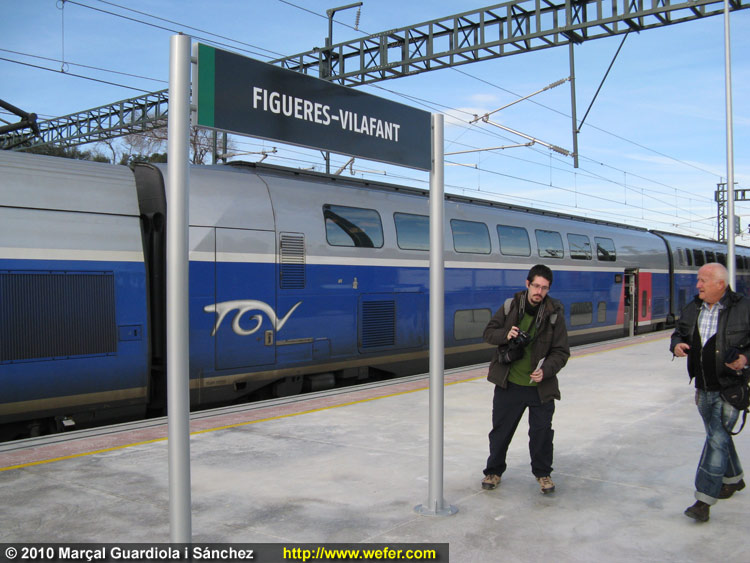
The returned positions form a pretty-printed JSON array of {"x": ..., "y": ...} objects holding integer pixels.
[
  {"x": 521, "y": 340},
  {"x": 514, "y": 349}
]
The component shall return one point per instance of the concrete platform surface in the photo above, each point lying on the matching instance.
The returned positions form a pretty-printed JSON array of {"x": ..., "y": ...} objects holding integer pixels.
[{"x": 627, "y": 442}]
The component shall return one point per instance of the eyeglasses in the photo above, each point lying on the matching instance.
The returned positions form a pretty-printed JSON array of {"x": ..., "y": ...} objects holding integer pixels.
[{"x": 542, "y": 288}]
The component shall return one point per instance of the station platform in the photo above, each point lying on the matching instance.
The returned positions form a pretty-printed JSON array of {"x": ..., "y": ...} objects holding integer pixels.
[{"x": 349, "y": 467}]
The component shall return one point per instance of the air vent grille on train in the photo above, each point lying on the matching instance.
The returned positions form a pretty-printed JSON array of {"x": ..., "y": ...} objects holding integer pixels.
[
  {"x": 44, "y": 315},
  {"x": 292, "y": 268},
  {"x": 378, "y": 324}
]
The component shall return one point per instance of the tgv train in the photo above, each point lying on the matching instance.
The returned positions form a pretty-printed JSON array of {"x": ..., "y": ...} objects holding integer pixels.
[{"x": 297, "y": 281}]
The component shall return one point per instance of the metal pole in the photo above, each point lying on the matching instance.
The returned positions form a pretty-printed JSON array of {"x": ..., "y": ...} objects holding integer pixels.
[
  {"x": 435, "y": 505},
  {"x": 178, "y": 373},
  {"x": 573, "y": 104},
  {"x": 731, "y": 260}
]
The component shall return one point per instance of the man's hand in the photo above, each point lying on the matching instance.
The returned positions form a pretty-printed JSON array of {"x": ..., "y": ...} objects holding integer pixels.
[
  {"x": 681, "y": 350},
  {"x": 512, "y": 333},
  {"x": 739, "y": 364},
  {"x": 537, "y": 375}
]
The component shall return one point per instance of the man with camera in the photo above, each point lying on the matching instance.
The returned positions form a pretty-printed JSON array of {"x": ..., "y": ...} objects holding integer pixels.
[
  {"x": 714, "y": 333},
  {"x": 532, "y": 346}
]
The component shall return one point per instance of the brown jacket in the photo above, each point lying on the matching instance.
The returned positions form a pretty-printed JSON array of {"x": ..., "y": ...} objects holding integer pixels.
[{"x": 551, "y": 343}]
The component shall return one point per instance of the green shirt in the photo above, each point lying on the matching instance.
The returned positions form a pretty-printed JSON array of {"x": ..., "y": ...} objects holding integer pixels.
[{"x": 520, "y": 370}]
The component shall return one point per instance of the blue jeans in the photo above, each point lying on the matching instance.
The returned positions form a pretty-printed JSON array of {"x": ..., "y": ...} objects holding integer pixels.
[{"x": 719, "y": 462}]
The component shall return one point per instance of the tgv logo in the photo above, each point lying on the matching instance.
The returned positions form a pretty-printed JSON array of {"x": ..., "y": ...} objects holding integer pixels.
[{"x": 243, "y": 306}]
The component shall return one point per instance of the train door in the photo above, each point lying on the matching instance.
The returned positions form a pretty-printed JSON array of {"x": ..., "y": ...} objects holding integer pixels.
[
  {"x": 245, "y": 308},
  {"x": 630, "y": 301}
]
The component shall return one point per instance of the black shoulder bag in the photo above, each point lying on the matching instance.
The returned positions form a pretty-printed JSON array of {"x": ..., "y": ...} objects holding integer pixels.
[{"x": 737, "y": 394}]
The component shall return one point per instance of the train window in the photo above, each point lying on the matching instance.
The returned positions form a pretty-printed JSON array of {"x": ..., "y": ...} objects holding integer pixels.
[
  {"x": 352, "y": 226},
  {"x": 549, "y": 244},
  {"x": 601, "y": 312},
  {"x": 680, "y": 257},
  {"x": 514, "y": 241},
  {"x": 721, "y": 258},
  {"x": 412, "y": 231},
  {"x": 580, "y": 247},
  {"x": 470, "y": 236},
  {"x": 470, "y": 323},
  {"x": 605, "y": 249},
  {"x": 689, "y": 256},
  {"x": 699, "y": 257},
  {"x": 740, "y": 263},
  {"x": 710, "y": 256},
  {"x": 581, "y": 313},
  {"x": 644, "y": 304}
]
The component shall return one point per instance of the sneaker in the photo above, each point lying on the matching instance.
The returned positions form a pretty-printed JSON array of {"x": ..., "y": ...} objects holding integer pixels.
[
  {"x": 490, "y": 481},
  {"x": 699, "y": 511},
  {"x": 728, "y": 490},
  {"x": 546, "y": 484}
]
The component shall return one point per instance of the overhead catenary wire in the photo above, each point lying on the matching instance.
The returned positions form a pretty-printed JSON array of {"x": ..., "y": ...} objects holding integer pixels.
[{"x": 627, "y": 188}]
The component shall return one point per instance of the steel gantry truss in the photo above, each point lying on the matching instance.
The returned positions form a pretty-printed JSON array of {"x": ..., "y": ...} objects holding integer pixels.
[{"x": 513, "y": 27}]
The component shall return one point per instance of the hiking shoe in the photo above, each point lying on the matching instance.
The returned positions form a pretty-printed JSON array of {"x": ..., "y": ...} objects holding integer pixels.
[
  {"x": 546, "y": 484},
  {"x": 490, "y": 481},
  {"x": 728, "y": 490},
  {"x": 699, "y": 511}
]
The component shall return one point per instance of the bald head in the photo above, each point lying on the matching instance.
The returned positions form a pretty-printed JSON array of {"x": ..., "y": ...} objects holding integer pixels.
[{"x": 713, "y": 280}]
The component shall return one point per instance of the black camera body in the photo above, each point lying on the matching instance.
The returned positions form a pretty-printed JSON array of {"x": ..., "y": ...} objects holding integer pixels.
[
  {"x": 514, "y": 349},
  {"x": 521, "y": 340}
]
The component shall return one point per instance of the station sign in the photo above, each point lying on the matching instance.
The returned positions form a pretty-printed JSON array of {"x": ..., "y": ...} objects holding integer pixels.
[{"x": 248, "y": 97}]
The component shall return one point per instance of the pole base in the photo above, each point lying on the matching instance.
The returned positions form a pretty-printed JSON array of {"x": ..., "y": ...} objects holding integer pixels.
[{"x": 442, "y": 510}]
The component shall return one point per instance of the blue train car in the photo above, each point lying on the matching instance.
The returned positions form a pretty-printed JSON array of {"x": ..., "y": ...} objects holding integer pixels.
[
  {"x": 74, "y": 331},
  {"x": 298, "y": 278},
  {"x": 688, "y": 254}
]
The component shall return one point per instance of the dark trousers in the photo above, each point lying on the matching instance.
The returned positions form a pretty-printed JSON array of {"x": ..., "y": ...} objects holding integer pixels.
[{"x": 508, "y": 406}]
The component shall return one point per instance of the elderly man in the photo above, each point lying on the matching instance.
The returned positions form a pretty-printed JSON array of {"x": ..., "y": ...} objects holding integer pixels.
[{"x": 714, "y": 333}]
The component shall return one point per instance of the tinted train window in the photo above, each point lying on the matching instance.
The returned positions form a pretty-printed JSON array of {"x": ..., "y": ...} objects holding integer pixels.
[
  {"x": 470, "y": 236},
  {"x": 549, "y": 244},
  {"x": 412, "y": 231},
  {"x": 581, "y": 313},
  {"x": 680, "y": 258},
  {"x": 605, "y": 249},
  {"x": 470, "y": 323},
  {"x": 601, "y": 313},
  {"x": 710, "y": 256},
  {"x": 580, "y": 247},
  {"x": 514, "y": 241},
  {"x": 689, "y": 256},
  {"x": 699, "y": 257},
  {"x": 352, "y": 226}
]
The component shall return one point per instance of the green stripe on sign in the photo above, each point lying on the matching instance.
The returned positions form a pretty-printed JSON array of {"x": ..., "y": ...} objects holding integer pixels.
[{"x": 206, "y": 84}]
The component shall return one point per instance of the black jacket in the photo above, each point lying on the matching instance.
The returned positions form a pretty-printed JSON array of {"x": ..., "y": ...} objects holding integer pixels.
[
  {"x": 551, "y": 343},
  {"x": 733, "y": 330}
]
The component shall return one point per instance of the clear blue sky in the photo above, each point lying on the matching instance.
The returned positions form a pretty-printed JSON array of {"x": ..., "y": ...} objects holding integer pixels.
[{"x": 652, "y": 149}]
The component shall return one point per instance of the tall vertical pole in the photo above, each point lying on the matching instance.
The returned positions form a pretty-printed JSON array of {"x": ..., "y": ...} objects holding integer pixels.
[
  {"x": 178, "y": 372},
  {"x": 573, "y": 103},
  {"x": 731, "y": 261},
  {"x": 435, "y": 505}
]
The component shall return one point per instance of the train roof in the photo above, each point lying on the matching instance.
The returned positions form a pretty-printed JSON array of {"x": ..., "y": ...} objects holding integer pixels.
[
  {"x": 57, "y": 184},
  {"x": 274, "y": 170},
  {"x": 698, "y": 240}
]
